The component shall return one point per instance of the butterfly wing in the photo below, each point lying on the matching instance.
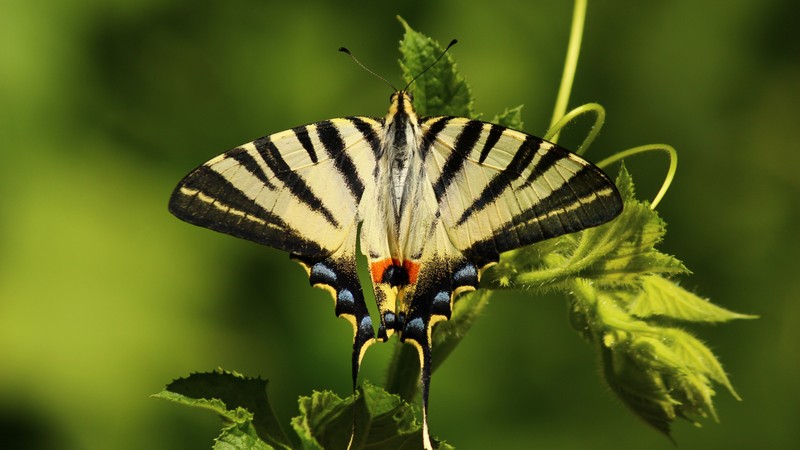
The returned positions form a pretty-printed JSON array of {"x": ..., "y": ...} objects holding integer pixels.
[
  {"x": 297, "y": 191},
  {"x": 499, "y": 189}
]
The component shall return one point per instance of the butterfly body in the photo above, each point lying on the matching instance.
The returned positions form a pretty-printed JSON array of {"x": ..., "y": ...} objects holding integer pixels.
[{"x": 436, "y": 199}]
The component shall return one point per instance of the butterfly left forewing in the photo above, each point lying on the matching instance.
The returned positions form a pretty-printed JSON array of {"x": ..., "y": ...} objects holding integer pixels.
[{"x": 297, "y": 190}]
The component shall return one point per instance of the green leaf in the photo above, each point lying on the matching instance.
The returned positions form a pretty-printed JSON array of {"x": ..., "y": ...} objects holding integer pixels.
[
  {"x": 660, "y": 373},
  {"x": 441, "y": 90},
  {"x": 660, "y": 297},
  {"x": 640, "y": 389},
  {"x": 698, "y": 359},
  {"x": 383, "y": 420},
  {"x": 240, "y": 436},
  {"x": 510, "y": 117},
  {"x": 326, "y": 418},
  {"x": 240, "y": 401}
]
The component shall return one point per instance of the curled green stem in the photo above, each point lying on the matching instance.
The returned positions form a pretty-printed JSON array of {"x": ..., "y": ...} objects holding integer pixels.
[{"x": 673, "y": 165}]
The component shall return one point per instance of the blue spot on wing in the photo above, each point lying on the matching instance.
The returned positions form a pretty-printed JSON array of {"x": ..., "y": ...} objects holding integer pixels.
[
  {"x": 390, "y": 320},
  {"x": 442, "y": 298},
  {"x": 366, "y": 325},
  {"x": 441, "y": 304},
  {"x": 416, "y": 325},
  {"x": 467, "y": 275},
  {"x": 345, "y": 299},
  {"x": 323, "y": 273}
]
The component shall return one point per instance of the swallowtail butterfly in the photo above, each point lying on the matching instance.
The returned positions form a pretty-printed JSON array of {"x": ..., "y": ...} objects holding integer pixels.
[{"x": 437, "y": 199}]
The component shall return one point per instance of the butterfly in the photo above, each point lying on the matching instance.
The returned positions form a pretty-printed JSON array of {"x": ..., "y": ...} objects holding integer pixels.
[{"x": 436, "y": 199}]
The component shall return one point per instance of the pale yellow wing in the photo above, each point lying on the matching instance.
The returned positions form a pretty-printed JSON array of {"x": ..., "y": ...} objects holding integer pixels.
[
  {"x": 498, "y": 189},
  {"x": 297, "y": 190}
]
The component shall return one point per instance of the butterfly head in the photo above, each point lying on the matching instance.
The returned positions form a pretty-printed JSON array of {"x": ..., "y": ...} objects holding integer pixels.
[
  {"x": 402, "y": 125},
  {"x": 402, "y": 102}
]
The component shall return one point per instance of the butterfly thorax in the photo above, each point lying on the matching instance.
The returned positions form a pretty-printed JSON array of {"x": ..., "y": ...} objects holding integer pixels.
[{"x": 401, "y": 142}]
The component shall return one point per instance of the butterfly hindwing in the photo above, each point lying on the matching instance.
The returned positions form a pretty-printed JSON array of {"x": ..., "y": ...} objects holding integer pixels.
[{"x": 338, "y": 275}]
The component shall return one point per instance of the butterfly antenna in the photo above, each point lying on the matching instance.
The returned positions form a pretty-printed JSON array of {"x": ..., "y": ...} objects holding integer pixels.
[
  {"x": 452, "y": 43},
  {"x": 345, "y": 50}
]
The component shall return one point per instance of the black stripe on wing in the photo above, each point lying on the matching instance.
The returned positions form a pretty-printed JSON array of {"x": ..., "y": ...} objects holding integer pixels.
[
  {"x": 302, "y": 136},
  {"x": 333, "y": 143},
  {"x": 546, "y": 160},
  {"x": 522, "y": 158},
  {"x": 293, "y": 181},
  {"x": 207, "y": 199},
  {"x": 369, "y": 134},
  {"x": 586, "y": 200},
  {"x": 455, "y": 161},
  {"x": 436, "y": 126},
  {"x": 494, "y": 136},
  {"x": 243, "y": 157}
]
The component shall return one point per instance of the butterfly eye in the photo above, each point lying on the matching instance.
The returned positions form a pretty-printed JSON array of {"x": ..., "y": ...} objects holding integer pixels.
[{"x": 410, "y": 96}]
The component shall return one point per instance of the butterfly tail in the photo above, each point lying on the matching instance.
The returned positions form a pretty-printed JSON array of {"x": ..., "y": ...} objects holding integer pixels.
[
  {"x": 337, "y": 275},
  {"x": 417, "y": 333}
]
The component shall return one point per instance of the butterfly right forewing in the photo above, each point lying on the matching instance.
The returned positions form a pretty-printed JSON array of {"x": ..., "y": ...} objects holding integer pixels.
[{"x": 499, "y": 189}]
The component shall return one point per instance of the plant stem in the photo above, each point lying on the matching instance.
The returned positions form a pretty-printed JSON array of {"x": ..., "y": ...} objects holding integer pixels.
[
  {"x": 570, "y": 64},
  {"x": 673, "y": 165},
  {"x": 402, "y": 377}
]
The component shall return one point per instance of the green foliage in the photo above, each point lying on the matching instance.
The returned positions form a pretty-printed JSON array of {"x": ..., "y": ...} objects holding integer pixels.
[
  {"x": 510, "y": 117},
  {"x": 383, "y": 420},
  {"x": 660, "y": 297},
  {"x": 325, "y": 421},
  {"x": 441, "y": 90},
  {"x": 622, "y": 299},
  {"x": 241, "y": 402}
]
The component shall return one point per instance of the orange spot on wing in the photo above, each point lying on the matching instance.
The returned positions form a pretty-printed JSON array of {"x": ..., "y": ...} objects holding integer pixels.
[
  {"x": 379, "y": 267},
  {"x": 412, "y": 269}
]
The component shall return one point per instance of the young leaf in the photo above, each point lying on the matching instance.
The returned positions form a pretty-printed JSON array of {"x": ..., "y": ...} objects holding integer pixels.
[
  {"x": 240, "y": 401},
  {"x": 383, "y": 420},
  {"x": 660, "y": 297},
  {"x": 510, "y": 117},
  {"x": 660, "y": 373},
  {"x": 240, "y": 436},
  {"x": 441, "y": 90},
  {"x": 325, "y": 420}
]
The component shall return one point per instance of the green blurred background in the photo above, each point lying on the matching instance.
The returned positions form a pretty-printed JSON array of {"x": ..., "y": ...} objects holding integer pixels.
[{"x": 105, "y": 297}]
